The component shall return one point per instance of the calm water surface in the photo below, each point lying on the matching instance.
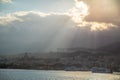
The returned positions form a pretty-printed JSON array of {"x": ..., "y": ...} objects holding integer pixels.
[{"x": 14, "y": 74}]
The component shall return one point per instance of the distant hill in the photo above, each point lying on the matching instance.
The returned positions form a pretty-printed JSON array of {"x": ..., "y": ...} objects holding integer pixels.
[{"x": 113, "y": 48}]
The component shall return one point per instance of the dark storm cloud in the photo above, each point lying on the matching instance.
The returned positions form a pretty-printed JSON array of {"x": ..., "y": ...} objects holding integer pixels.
[{"x": 107, "y": 11}]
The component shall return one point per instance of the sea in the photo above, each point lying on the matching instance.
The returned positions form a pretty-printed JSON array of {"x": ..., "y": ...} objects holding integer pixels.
[{"x": 18, "y": 74}]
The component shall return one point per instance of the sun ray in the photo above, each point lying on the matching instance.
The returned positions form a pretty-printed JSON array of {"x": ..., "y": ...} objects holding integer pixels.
[{"x": 78, "y": 14}]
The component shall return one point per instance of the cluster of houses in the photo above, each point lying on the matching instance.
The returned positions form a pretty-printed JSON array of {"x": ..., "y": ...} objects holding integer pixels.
[{"x": 83, "y": 61}]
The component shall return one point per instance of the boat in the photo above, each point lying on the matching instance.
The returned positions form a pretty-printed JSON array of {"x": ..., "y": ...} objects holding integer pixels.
[{"x": 101, "y": 70}]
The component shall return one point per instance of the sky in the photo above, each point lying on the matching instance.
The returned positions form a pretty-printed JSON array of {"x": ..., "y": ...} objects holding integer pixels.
[
  {"x": 47, "y": 25},
  {"x": 36, "y": 5}
]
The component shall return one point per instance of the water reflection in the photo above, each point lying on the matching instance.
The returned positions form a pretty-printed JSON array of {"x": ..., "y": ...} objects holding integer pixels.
[{"x": 9, "y": 74}]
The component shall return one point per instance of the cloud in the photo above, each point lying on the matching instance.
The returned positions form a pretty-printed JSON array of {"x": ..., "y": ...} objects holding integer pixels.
[
  {"x": 32, "y": 31},
  {"x": 82, "y": 17},
  {"x": 9, "y": 18},
  {"x": 79, "y": 14},
  {"x": 79, "y": 11},
  {"x": 5, "y": 1},
  {"x": 80, "y": 26},
  {"x": 104, "y": 11},
  {"x": 97, "y": 26}
]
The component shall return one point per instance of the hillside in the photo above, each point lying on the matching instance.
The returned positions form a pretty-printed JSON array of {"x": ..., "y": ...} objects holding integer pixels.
[{"x": 112, "y": 48}]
